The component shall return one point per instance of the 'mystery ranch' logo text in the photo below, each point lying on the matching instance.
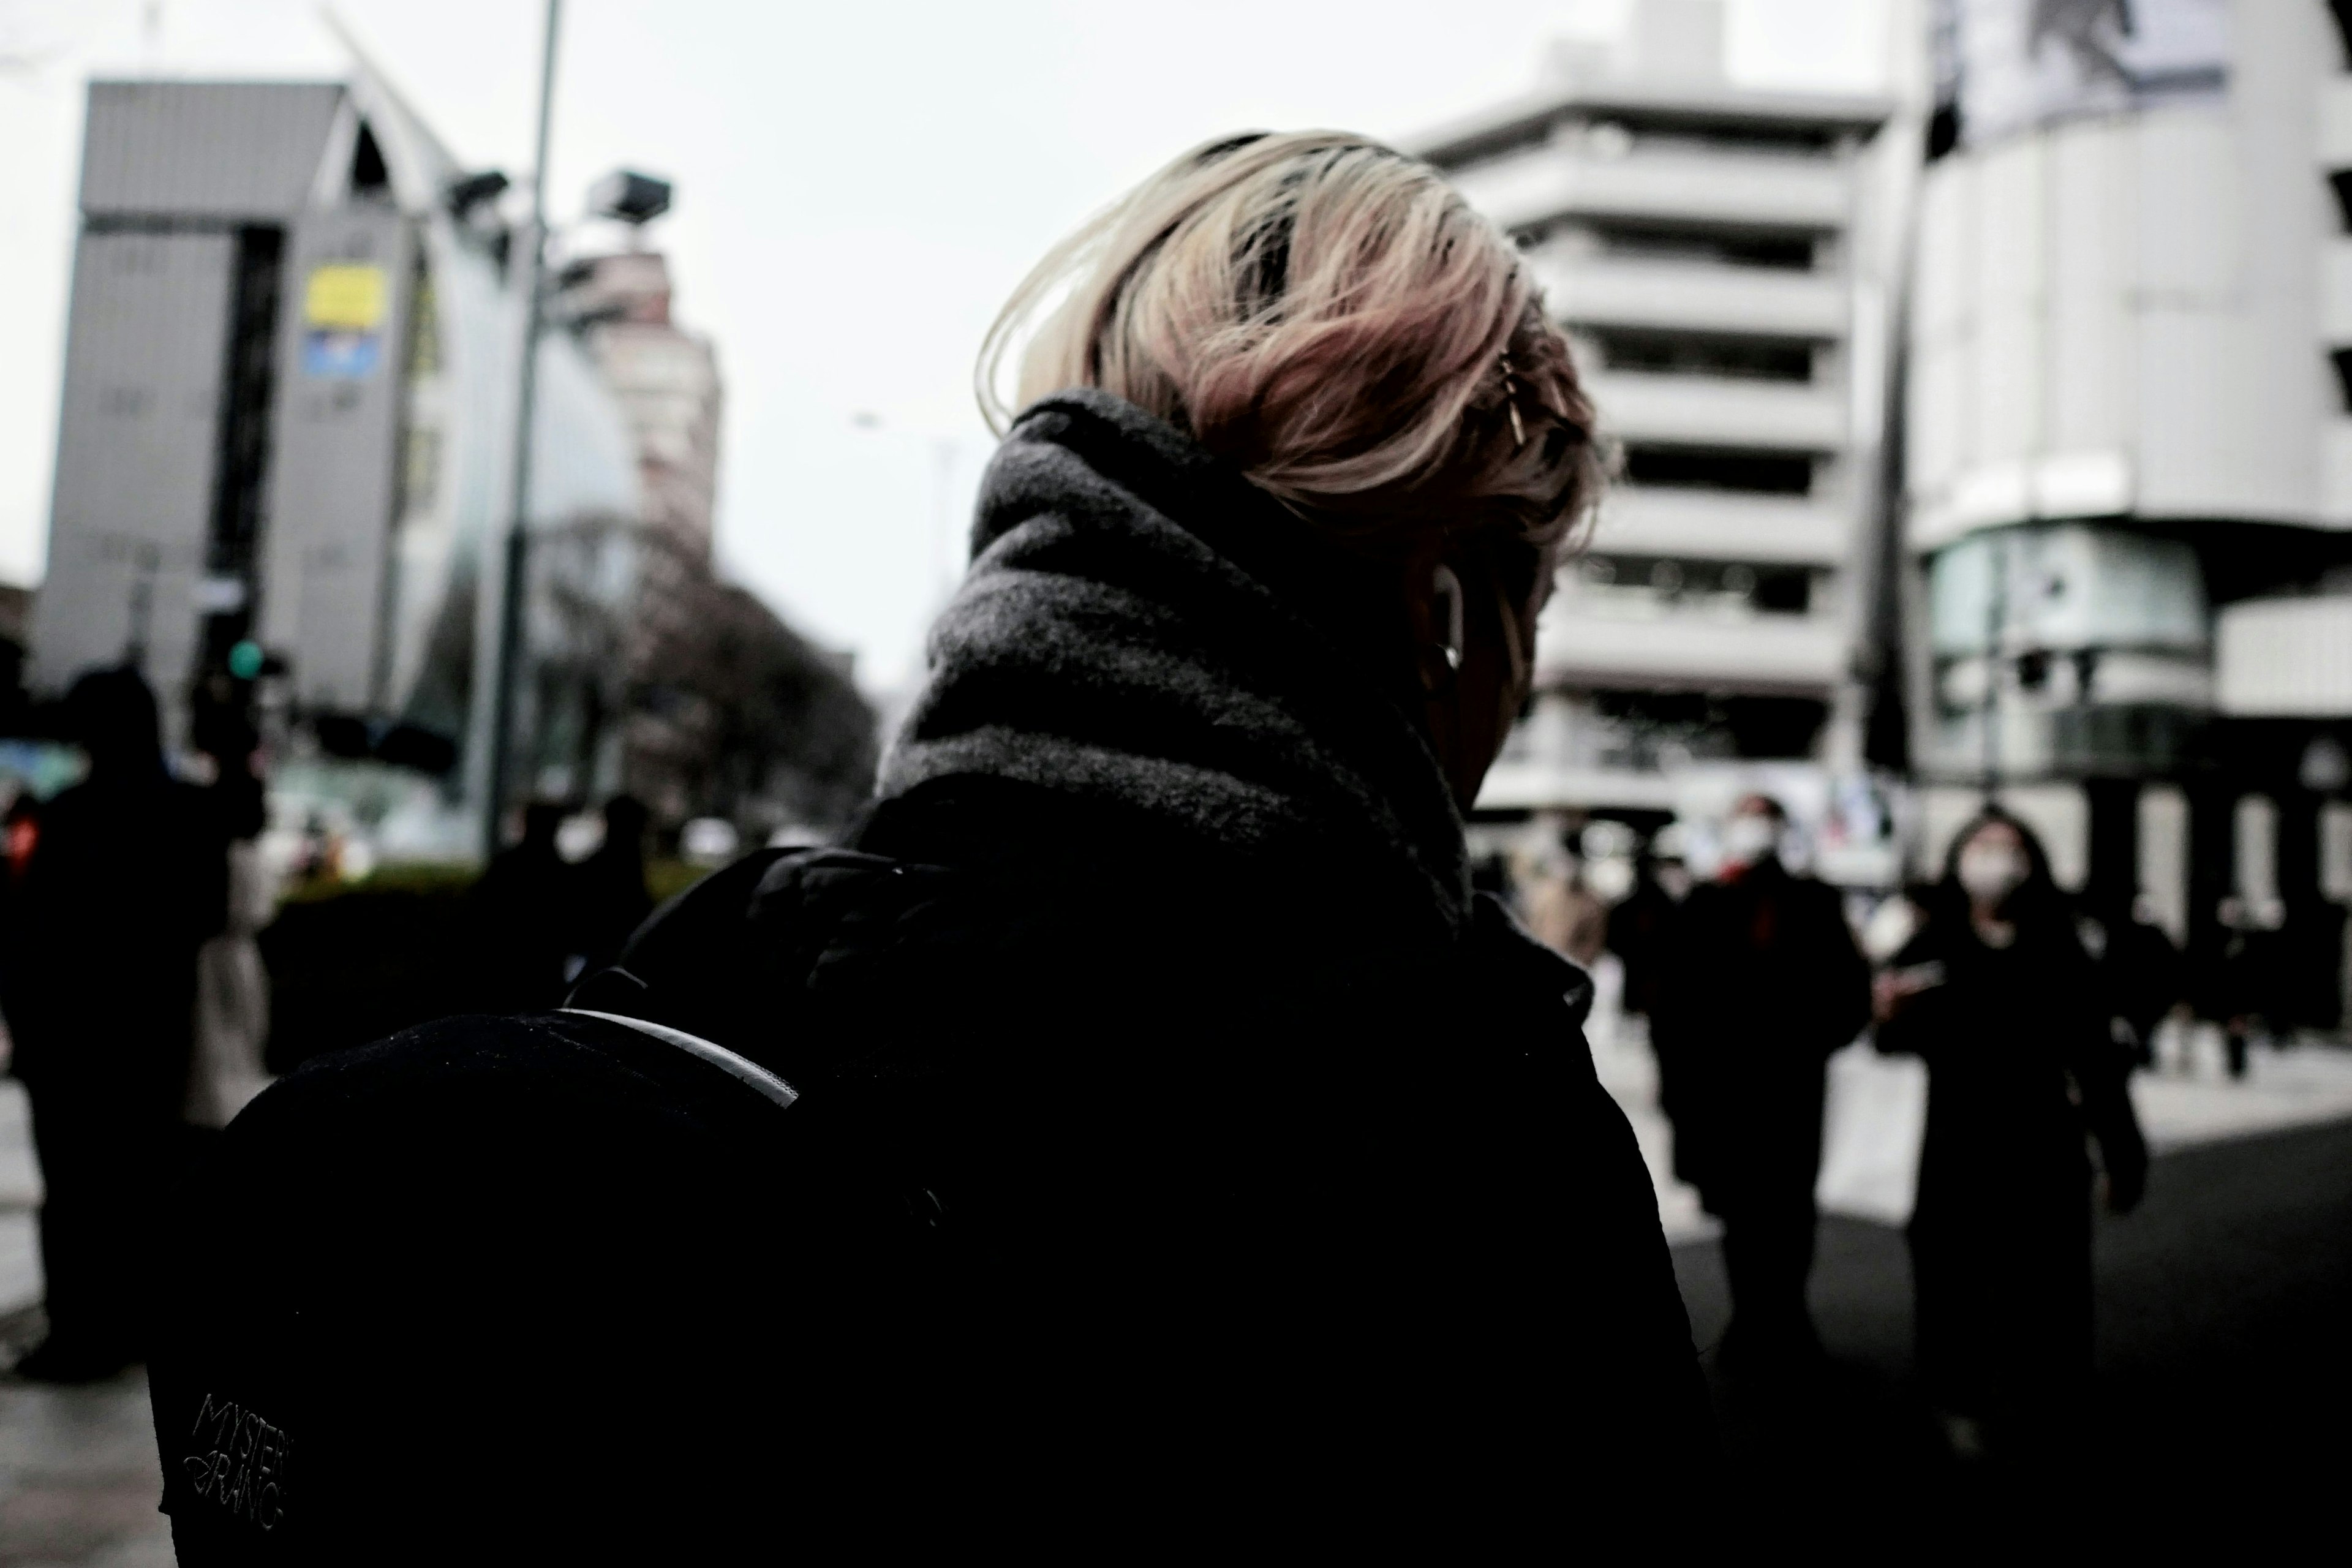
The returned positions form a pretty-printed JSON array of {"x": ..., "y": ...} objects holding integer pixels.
[{"x": 240, "y": 1462}]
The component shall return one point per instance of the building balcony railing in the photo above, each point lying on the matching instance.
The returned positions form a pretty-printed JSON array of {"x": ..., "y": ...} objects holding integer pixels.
[
  {"x": 1733, "y": 301},
  {"x": 2285, "y": 657},
  {"x": 1721, "y": 412},
  {"x": 1706, "y": 525},
  {"x": 2335, "y": 141},
  {"x": 1580, "y": 643},
  {"x": 1515, "y": 784},
  {"x": 2040, "y": 743},
  {"x": 2335, "y": 292},
  {"x": 1543, "y": 184},
  {"x": 2336, "y": 473}
]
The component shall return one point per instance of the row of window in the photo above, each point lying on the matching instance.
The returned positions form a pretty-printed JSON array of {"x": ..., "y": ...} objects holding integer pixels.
[
  {"x": 1766, "y": 589},
  {"x": 1689, "y": 241},
  {"x": 1667, "y": 352}
]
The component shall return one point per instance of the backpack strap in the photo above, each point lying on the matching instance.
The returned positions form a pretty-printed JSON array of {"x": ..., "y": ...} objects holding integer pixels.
[{"x": 768, "y": 1084}]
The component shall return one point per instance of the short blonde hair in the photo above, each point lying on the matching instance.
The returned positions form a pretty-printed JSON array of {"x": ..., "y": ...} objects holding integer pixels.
[{"x": 1332, "y": 317}]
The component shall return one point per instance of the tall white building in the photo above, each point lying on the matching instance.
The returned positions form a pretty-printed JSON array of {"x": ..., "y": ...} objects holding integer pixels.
[
  {"x": 1725, "y": 261},
  {"x": 2129, "y": 475}
]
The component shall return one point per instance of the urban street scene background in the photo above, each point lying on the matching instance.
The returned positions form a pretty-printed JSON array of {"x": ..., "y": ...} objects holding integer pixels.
[{"x": 514, "y": 524}]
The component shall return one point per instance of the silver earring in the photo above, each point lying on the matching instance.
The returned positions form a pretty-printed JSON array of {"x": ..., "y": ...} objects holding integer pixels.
[{"x": 1444, "y": 584}]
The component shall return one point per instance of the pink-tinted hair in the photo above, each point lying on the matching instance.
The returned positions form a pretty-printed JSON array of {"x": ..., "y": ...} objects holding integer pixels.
[{"x": 1331, "y": 316}]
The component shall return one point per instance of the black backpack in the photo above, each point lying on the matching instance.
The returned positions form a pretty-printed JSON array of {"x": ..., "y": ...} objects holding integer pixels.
[{"x": 513, "y": 1290}]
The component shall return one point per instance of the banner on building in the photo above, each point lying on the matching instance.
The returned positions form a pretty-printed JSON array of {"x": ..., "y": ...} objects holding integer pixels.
[
  {"x": 344, "y": 307},
  {"x": 2007, "y": 65}
]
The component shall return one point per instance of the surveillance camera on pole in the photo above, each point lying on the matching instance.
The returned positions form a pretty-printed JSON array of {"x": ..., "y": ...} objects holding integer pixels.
[{"x": 633, "y": 198}]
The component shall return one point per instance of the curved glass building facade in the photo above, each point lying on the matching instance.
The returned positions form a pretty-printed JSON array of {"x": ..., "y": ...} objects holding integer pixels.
[{"x": 289, "y": 422}]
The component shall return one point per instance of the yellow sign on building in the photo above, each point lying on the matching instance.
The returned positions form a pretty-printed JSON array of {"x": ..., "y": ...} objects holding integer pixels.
[{"x": 344, "y": 297}]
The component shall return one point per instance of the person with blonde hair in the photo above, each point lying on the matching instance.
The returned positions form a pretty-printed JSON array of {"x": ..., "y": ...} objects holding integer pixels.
[{"x": 1174, "y": 1144}]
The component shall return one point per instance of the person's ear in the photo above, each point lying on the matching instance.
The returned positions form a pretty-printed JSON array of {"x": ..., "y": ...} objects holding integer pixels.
[{"x": 1436, "y": 604}]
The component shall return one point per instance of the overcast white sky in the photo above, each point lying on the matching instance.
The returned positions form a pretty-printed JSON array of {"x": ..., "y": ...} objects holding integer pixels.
[{"x": 859, "y": 186}]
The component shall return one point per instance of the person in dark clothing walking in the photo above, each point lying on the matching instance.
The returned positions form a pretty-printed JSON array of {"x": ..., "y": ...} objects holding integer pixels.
[
  {"x": 1639, "y": 924},
  {"x": 1175, "y": 1144},
  {"x": 524, "y": 914},
  {"x": 612, "y": 899},
  {"x": 1997, "y": 995},
  {"x": 2141, "y": 972},
  {"x": 2240, "y": 988},
  {"x": 1761, "y": 982},
  {"x": 127, "y": 877}
]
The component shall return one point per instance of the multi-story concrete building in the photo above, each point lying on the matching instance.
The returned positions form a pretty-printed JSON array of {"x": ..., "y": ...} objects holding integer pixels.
[
  {"x": 2129, "y": 478},
  {"x": 1726, "y": 260},
  {"x": 286, "y": 426},
  {"x": 666, "y": 381}
]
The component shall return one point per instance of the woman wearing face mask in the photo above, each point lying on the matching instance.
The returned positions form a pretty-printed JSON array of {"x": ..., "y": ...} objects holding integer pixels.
[{"x": 1997, "y": 994}]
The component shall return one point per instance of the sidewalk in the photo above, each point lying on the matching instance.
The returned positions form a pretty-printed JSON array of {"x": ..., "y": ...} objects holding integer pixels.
[
  {"x": 1877, "y": 1107},
  {"x": 78, "y": 1471}
]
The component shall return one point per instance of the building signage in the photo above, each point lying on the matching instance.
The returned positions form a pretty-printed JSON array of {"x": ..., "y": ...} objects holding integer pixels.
[
  {"x": 2006, "y": 66},
  {"x": 344, "y": 307}
]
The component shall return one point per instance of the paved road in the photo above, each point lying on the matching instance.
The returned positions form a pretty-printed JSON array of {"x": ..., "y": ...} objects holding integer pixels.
[
  {"x": 77, "y": 1478},
  {"x": 2224, "y": 1391},
  {"x": 77, "y": 1474}
]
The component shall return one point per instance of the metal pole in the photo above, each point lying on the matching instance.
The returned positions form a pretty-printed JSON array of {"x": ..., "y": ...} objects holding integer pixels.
[
  {"x": 1996, "y": 614},
  {"x": 517, "y": 541}
]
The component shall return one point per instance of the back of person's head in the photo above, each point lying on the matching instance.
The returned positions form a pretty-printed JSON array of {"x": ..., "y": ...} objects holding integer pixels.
[
  {"x": 1333, "y": 319},
  {"x": 624, "y": 819},
  {"x": 111, "y": 715},
  {"x": 541, "y": 819}
]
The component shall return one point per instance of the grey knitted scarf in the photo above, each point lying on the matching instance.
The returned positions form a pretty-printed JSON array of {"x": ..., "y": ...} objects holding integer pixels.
[{"x": 1141, "y": 625}]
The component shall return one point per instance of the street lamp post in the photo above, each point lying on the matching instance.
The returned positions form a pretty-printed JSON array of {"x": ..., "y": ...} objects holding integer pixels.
[
  {"x": 1996, "y": 622},
  {"x": 517, "y": 541}
]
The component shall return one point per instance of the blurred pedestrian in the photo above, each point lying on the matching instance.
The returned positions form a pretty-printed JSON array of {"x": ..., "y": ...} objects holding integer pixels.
[
  {"x": 2240, "y": 983},
  {"x": 612, "y": 899},
  {"x": 2139, "y": 970},
  {"x": 1123, "y": 1196},
  {"x": 127, "y": 879},
  {"x": 523, "y": 916},
  {"x": 1759, "y": 983},
  {"x": 1638, "y": 928},
  {"x": 232, "y": 1027},
  {"x": 1563, "y": 915},
  {"x": 1997, "y": 995}
]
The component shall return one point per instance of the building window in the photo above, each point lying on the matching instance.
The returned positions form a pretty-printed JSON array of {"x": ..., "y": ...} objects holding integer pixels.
[
  {"x": 1634, "y": 240},
  {"x": 423, "y": 325},
  {"x": 1696, "y": 468},
  {"x": 2340, "y": 181},
  {"x": 420, "y": 480},
  {"x": 1738, "y": 586},
  {"x": 1694, "y": 136},
  {"x": 2342, "y": 360},
  {"x": 1703, "y": 354},
  {"x": 1640, "y": 729}
]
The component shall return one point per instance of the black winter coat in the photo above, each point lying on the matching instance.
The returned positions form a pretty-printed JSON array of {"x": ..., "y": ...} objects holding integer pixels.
[
  {"x": 1179, "y": 1148},
  {"x": 129, "y": 875},
  {"x": 1759, "y": 982},
  {"x": 2022, "y": 1069}
]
